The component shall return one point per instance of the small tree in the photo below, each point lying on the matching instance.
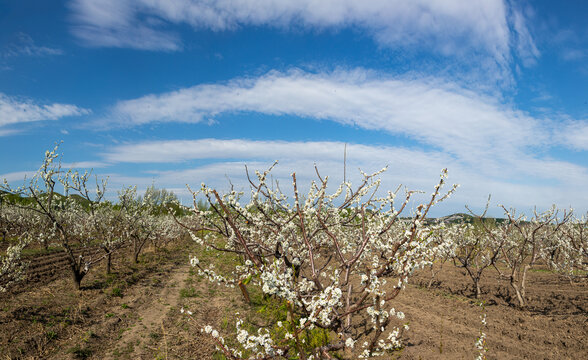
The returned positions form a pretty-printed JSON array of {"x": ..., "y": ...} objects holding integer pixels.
[
  {"x": 477, "y": 248},
  {"x": 440, "y": 249},
  {"x": 158, "y": 199},
  {"x": 106, "y": 223},
  {"x": 12, "y": 220},
  {"x": 13, "y": 225},
  {"x": 60, "y": 217},
  {"x": 568, "y": 253},
  {"x": 167, "y": 230},
  {"x": 139, "y": 221},
  {"x": 524, "y": 244},
  {"x": 12, "y": 267}
]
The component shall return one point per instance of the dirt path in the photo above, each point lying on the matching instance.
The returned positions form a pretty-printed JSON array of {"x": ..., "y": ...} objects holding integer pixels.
[{"x": 150, "y": 307}]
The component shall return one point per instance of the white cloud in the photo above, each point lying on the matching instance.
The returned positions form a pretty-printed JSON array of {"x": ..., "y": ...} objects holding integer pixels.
[
  {"x": 16, "y": 111},
  {"x": 569, "y": 42},
  {"x": 85, "y": 165},
  {"x": 373, "y": 157},
  {"x": 527, "y": 183},
  {"x": 574, "y": 54},
  {"x": 525, "y": 45},
  {"x": 492, "y": 147},
  {"x": 415, "y": 169},
  {"x": 470, "y": 126},
  {"x": 230, "y": 157},
  {"x": 464, "y": 28},
  {"x": 269, "y": 150},
  {"x": 551, "y": 181},
  {"x": 114, "y": 23},
  {"x": 17, "y": 176},
  {"x": 574, "y": 134},
  {"x": 25, "y": 46},
  {"x": 7, "y": 132}
]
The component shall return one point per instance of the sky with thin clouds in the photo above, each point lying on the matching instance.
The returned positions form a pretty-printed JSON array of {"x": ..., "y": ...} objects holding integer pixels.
[{"x": 189, "y": 91}]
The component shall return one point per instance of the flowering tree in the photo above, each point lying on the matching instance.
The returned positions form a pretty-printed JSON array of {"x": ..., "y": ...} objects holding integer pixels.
[
  {"x": 13, "y": 221},
  {"x": 477, "y": 248},
  {"x": 11, "y": 266},
  {"x": 141, "y": 222},
  {"x": 105, "y": 224},
  {"x": 568, "y": 253},
  {"x": 61, "y": 218},
  {"x": 14, "y": 228},
  {"x": 167, "y": 231},
  {"x": 524, "y": 242},
  {"x": 336, "y": 260},
  {"x": 441, "y": 248}
]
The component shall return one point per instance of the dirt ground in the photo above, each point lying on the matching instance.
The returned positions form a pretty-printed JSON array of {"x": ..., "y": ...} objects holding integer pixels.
[
  {"x": 446, "y": 321},
  {"x": 135, "y": 314}
]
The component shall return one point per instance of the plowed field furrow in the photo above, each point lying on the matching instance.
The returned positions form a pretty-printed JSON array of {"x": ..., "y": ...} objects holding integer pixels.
[{"x": 42, "y": 267}]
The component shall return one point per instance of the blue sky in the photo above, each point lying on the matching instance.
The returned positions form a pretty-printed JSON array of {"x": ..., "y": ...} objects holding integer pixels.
[{"x": 188, "y": 91}]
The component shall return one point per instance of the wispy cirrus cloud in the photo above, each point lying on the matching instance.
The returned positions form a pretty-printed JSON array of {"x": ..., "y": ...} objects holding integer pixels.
[
  {"x": 185, "y": 150},
  {"x": 178, "y": 151},
  {"x": 463, "y": 129},
  {"x": 123, "y": 24},
  {"x": 487, "y": 31},
  {"x": 84, "y": 165},
  {"x": 17, "y": 111},
  {"x": 524, "y": 42},
  {"x": 6, "y": 132},
  {"x": 24, "y": 45},
  {"x": 574, "y": 134},
  {"x": 574, "y": 54},
  {"x": 432, "y": 111},
  {"x": 569, "y": 44},
  {"x": 17, "y": 176}
]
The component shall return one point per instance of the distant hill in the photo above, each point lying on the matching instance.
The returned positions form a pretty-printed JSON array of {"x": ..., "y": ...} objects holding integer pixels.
[
  {"x": 24, "y": 200},
  {"x": 177, "y": 209},
  {"x": 456, "y": 218},
  {"x": 461, "y": 218}
]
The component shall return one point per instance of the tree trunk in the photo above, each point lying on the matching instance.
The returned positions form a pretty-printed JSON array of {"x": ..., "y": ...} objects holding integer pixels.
[
  {"x": 476, "y": 279},
  {"x": 136, "y": 251},
  {"x": 78, "y": 270},
  {"x": 520, "y": 298},
  {"x": 77, "y": 277},
  {"x": 524, "y": 281},
  {"x": 138, "y": 246},
  {"x": 432, "y": 277},
  {"x": 108, "y": 262}
]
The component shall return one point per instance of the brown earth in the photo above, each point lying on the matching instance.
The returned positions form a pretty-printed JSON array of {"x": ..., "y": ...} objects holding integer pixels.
[
  {"x": 135, "y": 314},
  {"x": 445, "y": 320}
]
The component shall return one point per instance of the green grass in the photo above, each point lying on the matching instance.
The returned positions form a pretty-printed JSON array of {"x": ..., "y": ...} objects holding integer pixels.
[
  {"x": 40, "y": 251},
  {"x": 189, "y": 293},
  {"x": 116, "y": 292},
  {"x": 51, "y": 335}
]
